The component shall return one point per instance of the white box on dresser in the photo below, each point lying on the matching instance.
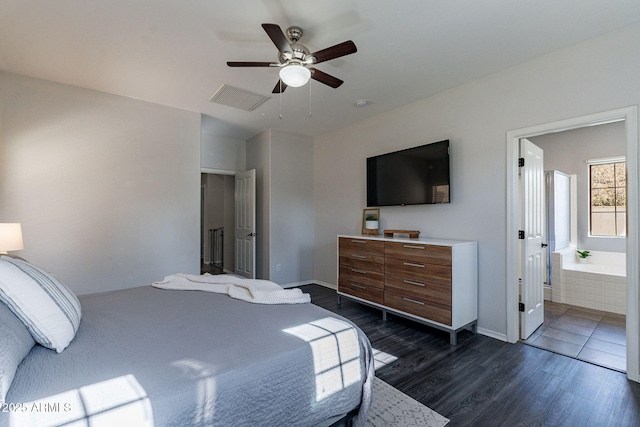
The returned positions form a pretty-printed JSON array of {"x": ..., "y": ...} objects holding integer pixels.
[{"x": 432, "y": 281}]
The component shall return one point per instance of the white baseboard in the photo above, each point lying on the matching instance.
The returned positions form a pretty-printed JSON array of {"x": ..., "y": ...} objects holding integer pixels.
[
  {"x": 310, "y": 282},
  {"x": 296, "y": 284},
  {"x": 492, "y": 334},
  {"x": 326, "y": 285}
]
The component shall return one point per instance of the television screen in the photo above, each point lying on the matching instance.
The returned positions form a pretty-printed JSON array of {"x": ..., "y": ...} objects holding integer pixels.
[{"x": 414, "y": 176}]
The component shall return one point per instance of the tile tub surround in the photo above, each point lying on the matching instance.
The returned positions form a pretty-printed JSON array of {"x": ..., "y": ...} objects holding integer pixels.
[{"x": 600, "y": 284}]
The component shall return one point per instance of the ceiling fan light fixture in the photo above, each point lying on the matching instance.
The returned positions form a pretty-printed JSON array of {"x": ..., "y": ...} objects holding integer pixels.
[{"x": 295, "y": 75}]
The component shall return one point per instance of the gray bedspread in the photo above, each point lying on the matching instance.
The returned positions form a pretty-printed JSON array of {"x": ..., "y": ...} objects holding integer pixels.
[{"x": 147, "y": 356}]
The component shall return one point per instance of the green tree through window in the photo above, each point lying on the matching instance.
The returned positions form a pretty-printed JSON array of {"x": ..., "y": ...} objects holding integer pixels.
[{"x": 608, "y": 208}]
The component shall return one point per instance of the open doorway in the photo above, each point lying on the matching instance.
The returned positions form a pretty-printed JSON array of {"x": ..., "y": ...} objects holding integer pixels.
[
  {"x": 629, "y": 116},
  {"x": 585, "y": 302},
  {"x": 217, "y": 223}
]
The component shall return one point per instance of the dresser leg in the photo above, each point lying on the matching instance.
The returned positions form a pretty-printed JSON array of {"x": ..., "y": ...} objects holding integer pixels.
[
  {"x": 384, "y": 315},
  {"x": 339, "y": 299},
  {"x": 453, "y": 338}
]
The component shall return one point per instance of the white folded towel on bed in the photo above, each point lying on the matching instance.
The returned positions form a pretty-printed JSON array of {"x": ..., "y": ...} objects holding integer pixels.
[{"x": 251, "y": 290}]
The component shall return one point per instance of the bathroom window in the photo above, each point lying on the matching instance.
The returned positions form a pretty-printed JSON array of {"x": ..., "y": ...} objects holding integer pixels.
[{"x": 608, "y": 195}]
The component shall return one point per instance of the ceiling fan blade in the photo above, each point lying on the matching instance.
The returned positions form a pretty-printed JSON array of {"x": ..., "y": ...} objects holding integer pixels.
[
  {"x": 249, "y": 64},
  {"x": 325, "y": 78},
  {"x": 342, "y": 49},
  {"x": 277, "y": 37},
  {"x": 280, "y": 87}
]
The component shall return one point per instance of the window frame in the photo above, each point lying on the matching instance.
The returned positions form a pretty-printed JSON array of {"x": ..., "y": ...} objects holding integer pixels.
[{"x": 595, "y": 162}]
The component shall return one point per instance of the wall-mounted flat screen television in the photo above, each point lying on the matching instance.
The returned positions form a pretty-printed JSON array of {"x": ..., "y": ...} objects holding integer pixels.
[{"x": 414, "y": 176}]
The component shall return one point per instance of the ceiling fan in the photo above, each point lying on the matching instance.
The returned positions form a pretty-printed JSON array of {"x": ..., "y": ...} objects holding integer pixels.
[{"x": 295, "y": 60}]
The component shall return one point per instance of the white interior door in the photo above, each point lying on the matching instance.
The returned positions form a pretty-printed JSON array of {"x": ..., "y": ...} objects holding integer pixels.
[
  {"x": 532, "y": 226},
  {"x": 245, "y": 227}
]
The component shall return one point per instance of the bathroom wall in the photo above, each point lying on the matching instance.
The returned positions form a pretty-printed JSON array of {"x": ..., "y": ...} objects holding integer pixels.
[{"x": 568, "y": 152}]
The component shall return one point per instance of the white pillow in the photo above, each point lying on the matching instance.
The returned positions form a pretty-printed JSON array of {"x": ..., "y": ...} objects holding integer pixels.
[{"x": 48, "y": 309}]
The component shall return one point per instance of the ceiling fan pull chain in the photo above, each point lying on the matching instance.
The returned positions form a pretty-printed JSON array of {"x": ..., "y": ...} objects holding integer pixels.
[
  {"x": 309, "y": 97},
  {"x": 280, "y": 83}
]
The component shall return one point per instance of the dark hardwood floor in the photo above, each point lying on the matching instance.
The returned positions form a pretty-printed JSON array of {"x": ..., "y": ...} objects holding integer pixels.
[
  {"x": 486, "y": 382},
  {"x": 211, "y": 268}
]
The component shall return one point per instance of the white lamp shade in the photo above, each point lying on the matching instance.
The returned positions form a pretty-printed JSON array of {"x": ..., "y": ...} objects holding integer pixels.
[
  {"x": 10, "y": 237},
  {"x": 295, "y": 75}
]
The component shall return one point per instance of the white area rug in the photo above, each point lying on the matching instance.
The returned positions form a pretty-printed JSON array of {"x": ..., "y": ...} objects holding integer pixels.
[{"x": 391, "y": 407}]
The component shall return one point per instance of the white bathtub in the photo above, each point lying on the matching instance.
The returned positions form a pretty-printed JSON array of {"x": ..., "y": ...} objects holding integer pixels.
[
  {"x": 614, "y": 270},
  {"x": 600, "y": 284}
]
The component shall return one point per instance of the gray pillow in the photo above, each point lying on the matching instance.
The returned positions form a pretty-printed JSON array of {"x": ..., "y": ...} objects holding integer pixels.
[{"x": 15, "y": 344}]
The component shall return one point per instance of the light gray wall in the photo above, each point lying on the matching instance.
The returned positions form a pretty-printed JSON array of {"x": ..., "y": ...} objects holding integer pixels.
[
  {"x": 106, "y": 188},
  {"x": 258, "y": 154},
  {"x": 291, "y": 217},
  {"x": 596, "y": 76},
  {"x": 221, "y": 153},
  {"x": 284, "y": 205},
  {"x": 567, "y": 152}
]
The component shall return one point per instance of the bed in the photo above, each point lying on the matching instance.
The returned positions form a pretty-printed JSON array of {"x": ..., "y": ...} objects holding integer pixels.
[{"x": 156, "y": 357}]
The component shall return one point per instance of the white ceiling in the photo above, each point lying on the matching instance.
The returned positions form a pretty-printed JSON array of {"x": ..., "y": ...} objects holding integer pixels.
[{"x": 174, "y": 52}]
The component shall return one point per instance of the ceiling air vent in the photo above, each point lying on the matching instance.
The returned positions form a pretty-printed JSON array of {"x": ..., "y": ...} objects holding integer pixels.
[{"x": 238, "y": 98}]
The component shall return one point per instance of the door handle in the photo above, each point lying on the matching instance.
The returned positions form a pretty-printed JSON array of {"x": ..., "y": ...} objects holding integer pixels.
[
  {"x": 544, "y": 245},
  {"x": 251, "y": 235}
]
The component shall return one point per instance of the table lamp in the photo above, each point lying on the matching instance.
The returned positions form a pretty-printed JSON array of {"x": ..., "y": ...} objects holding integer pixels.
[{"x": 10, "y": 237}]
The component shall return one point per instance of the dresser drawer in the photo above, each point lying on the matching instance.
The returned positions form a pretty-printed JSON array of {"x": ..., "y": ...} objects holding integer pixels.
[
  {"x": 361, "y": 291},
  {"x": 431, "y": 254},
  {"x": 362, "y": 259},
  {"x": 417, "y": 305},
  {"x": 418, "y": 270},
  {"x": 433, "y": 292},
  {"x": 360, "y": 264},
  {"x": 361, "y": 277},
  {"x": 351, "y": 245}
]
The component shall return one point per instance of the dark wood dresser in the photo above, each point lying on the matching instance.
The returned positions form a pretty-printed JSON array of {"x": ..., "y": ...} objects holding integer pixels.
[{"x": 432, "y": 281}]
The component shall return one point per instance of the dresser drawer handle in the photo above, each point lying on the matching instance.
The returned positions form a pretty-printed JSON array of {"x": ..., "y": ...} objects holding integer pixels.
[
  {"x": 413, "y": 247},
  {"x": 410, "y": 282},
  {"x": 410, "y": 264},
  {"x": 359, "y": 241},
  {"x": 358, "y": 286},
  {"x": 412, "y": 300},
  {"x": 358, "y": 271},
  {"x": 359, "y": 256}
]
